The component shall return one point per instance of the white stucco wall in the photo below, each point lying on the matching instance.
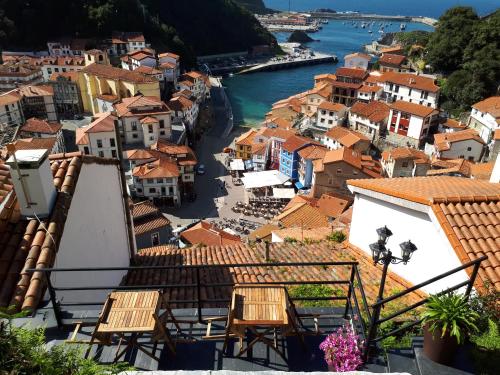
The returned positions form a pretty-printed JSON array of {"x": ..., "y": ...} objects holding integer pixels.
[
  {"x": 434, "y": 255},
  {"x": 461, "y": 150},
  {"x": 95, "y": 234}
]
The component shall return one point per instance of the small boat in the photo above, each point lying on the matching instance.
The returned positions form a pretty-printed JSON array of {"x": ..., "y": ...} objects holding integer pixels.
[
  {"x": 402, "y": 26},
  {"x": 371, "y": 32}
]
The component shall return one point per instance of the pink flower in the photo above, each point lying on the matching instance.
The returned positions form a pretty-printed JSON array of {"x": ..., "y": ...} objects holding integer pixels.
[{"x": 342, "y": 350}]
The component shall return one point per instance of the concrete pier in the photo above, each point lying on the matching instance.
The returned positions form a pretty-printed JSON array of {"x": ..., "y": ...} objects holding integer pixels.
[
  {"x": 365, "y": 17},
  {"x": 318, "y": 58}
]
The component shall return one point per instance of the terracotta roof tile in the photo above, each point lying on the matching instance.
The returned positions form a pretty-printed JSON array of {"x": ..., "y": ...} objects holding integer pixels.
[
  {"x": 313, "y": 152},
  {"x": 429, "y": 190},
  {"x": 242, "y": 253},
  {"x": 482, "y": 171},
  {"x": 453, "y": 167},
  {"x": 34, "y": 125},
  {"x": 351, "y": 72},
  {"x": 140, "y": 105},
  {"x": 110, "y": 72},
  {"x": 163, "y": 167},
  {"x": 442, "y": 141},
  {"x": 346, "y": 137},
  {"x": 246, "y": 138},
  {"x": 147, "y": 217},
  {"x": 413, "y": 108},
  {"x": 411, "y": 80},
  {"x": 473, "y": 229},
  {"x": 294, "y": 142},
  {"x": 365, "y": 164},
  {"x": 489, "y": 105},
  {"x": 206, "y": 234},
  {"x": 332, "y": 206},
  {"x": 25, "y": 243},
  {"x": 299, "y": 234},
  {"x": 302, "y": 215},
  {"x": 406, "y": 153},
  {"x": 375, "y": 111},
  {"x": 329, "y": 106},
  {"x": 392, "y": 59}
]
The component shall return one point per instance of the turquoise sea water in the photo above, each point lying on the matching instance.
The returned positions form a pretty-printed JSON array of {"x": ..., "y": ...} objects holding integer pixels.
[
  {"x": 429, "y": 8},
  {"x": 252, "y": 95}
]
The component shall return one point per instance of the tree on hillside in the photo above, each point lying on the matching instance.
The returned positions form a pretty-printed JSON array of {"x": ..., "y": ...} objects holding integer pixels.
[{"x": 453, "y": 32}]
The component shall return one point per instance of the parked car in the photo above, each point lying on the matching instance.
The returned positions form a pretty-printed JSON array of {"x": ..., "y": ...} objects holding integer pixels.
[{"x": 201, "y": 169}]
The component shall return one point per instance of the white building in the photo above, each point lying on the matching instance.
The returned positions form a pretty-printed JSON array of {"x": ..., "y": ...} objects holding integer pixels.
[
  {"x": 405, "y": 162},
  {"x": 144, "y": 120},
  {"x": 184, "y": 110},
  {"x": 357, "y": 60},
  {"x": 485, "y": 117},
  {"x": 370, "y": 119},
  {"x": 367, "y": 93},
  {"x": 438, "y": 214},
  {"x": 410, "y": 123},
  {"x": 99, "y": 138},
  {"x": 61, "y": 64},
  {"x": 330, "y": 114},
  {"x": 36, "y": 128},
  {"x": 67, "y": 47},
  {"x": 134, "y": 59},
  {"x": 82, "y": 225},
  {"x": 197, "y": 83},
  {"x": 124, "y": 42},
  {"x": 11, "y": 111},
  {"x": 169, "y": 63},
  {"x": 15, "y": 74},
  {"x": 465, "y": 144},
  {"x": 412, "y": 88}
]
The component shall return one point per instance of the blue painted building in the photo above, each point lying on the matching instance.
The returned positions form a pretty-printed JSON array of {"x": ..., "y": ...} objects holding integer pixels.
[
  {"x": 289, "y": 157},
  {"x": 307, "y": 156}
]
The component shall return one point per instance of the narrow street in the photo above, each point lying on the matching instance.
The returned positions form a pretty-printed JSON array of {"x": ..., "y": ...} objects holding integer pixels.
[{"x": 212, "y": 200}]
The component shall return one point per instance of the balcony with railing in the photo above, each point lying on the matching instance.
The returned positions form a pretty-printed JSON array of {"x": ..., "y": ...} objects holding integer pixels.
[{"x": 198, "y": 298}]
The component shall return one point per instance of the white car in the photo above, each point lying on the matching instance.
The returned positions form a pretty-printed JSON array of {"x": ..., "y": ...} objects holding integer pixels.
[{"x": 200, "y": 169}]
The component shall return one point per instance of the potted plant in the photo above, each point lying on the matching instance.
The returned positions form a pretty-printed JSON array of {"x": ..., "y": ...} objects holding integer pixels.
[
  {"x": 342, "y": 352},
  {"x": 447, "y": 319}
]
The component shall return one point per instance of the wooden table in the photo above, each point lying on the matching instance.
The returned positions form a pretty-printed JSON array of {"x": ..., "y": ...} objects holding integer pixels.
[
  {"x": 262, "y": 310},
  {"x": 130, "y": 315}
]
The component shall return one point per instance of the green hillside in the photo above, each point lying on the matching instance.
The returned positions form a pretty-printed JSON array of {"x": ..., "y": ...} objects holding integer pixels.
[
  {"x": 188, "y": 27},
  {"x": 254, "y": 6}
]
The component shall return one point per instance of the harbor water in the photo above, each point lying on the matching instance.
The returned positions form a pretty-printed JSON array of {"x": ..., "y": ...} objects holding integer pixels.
[{"x": 252, "y": 95}]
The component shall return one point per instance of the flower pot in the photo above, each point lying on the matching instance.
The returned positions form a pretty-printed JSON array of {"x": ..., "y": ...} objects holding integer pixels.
[{"x": 439, "y": 349}]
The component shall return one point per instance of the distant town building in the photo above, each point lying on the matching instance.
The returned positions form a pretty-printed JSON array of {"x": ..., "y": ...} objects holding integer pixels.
[
  {"x": 67, "y": 96},
  {"x": 338, "y": 137},
  {"x": 61, "y": 64},
  {"x": 144, "y": 120},
  {"x": 204, "y": 233},
  {"x": 464, "y": 144},
  {"x": 345, "y": 87},
  {"x": 330, "y": 114},
  {"x": 289, "y": 157},
  {"x": 370, "y": 119},
  {"x": 36, "y": 128},
  {"x": 15, "y": 74},
  {"x": 357, "y": 60},
  {"x": 67, "y": 46},
  {"x": 410, "y": 123},
  {"x": 38, "y": 101},
  {"x": 11, "y": 111},
  {"x": 485, "y": 117},
  {"x": 390, "y": 62},
  {"x": 151, "y": 227},
  {"x": 243, "y": 145},
  {"x": 405, "y": 162},
  {"x": 307, "y": 156},
  {"x": 412, "y": 88},
  {"x": 169, "y": 64},
  {"x": 124, "y": 42},
  {"x": 134, "y": 59},
  {"x": 99, "y": 138}
]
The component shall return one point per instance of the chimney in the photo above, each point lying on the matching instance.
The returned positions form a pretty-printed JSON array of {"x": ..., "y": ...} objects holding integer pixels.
[
  {"x": 33, "y": 181},
  {"x": 266, "y": 250}
]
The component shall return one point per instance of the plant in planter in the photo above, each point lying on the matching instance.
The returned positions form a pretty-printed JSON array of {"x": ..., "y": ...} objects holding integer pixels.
[
  {"x": 342, "y": 352},
  {"x": 447, "y": 319}
]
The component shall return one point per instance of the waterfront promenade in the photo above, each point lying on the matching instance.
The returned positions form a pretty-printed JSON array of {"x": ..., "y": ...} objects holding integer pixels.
[{"x": 361, "y": 16}]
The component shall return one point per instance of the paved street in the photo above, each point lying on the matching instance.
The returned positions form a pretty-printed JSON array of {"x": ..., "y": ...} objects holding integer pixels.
[{"x": 212, "y": 201}]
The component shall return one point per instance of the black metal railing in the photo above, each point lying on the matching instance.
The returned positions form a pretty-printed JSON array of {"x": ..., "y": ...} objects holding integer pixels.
[
  {"x": 373, "y": 338},
  {"x": 355, "y": 299}
]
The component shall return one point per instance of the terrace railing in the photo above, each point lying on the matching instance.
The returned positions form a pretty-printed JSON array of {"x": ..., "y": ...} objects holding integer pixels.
[
  {"x": 353, "y": 298},
  {"x": 373, "y": 336}
]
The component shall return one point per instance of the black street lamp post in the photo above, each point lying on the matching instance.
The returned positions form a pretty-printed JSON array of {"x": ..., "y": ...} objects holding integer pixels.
[{"x": 382, "y": 255}]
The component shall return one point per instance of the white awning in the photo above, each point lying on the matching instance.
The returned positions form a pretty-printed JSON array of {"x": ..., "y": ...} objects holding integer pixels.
[
  {"x": 237, "y": 165},
  {"x": 254, "y": 180},
  {"x": 283, "y": 193}
]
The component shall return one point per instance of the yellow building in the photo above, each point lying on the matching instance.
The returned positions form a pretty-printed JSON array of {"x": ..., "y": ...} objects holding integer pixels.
[
  {"x": 244, "y": 145},
  {"x": 102, "y": 85}
]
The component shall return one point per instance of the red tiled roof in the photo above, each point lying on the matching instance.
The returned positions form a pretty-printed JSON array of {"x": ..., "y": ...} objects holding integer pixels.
[
  {"x": 110, "y": 72},
  {"x": 346, "y": 137},
  {"x": 206, "y": 234},
  {"x": 414, "y": 109},
  {"x": 302, "y": 215},
  {"x": 169, "y": 54},
  {"x": 332, "y": 206},
  {"x": 406, "y": 153},
  {"x": 34, "y": 125},
  {"x": 411, "y": 80},
  {"x": 29, "y": 244},
  {"x": 375, "y": 111},
  {"x": 351, "y": 72},
  {"x": 295, "y": 142},
  {"x": 369, "y": 89},
  {"x": 392, "y": 59},
  {"x": 246, "y": 138},
  {"x": 442, "y": 141},
  {"x": 313, "y": 152},
  {"x": 489, "y": 105},
  {"x": 180, "y": 103},
  {"x": 243, "y": 253},
  {"x": 182, "y": 153},
  {"x": 163, "y": 167},
  {"x": 140, "y": 105},
  {"x": 329, "y": 106},
  {"x": 147, "y": 217},
  {"x": 127, "y": 36},
  {"x": 103, "y": 122}
]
